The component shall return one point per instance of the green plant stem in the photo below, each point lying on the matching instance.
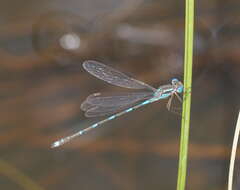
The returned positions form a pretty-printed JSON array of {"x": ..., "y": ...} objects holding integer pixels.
[
  {"x": 233, "y": 154},
  {"x": 189, "y": 28}
]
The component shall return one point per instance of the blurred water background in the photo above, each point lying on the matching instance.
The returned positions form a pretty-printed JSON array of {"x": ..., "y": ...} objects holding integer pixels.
[{"x": 42, "y": 84}]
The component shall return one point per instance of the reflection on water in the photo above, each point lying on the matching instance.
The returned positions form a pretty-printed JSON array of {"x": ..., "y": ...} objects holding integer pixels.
[
  {"x": 55, "y": 35},
  {"x": 42, "y": 46},
  {"x": 70, "y": 41}
]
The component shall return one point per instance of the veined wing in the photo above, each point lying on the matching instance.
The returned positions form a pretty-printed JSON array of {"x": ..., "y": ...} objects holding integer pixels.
[
  {"x": 116, "y": 100},
  {"x": 102, "y": 111},
  {"x": 113, "y": 76},
  {"x": 99, "y": 105}
]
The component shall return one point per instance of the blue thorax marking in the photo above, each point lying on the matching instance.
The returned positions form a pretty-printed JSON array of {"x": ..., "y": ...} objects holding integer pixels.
[
  {"x": 145, "y": 102},
  {"x": 129, "y": 109},
  {"x": 112, "y": 117},
  {"x": 95, "y": 125},
  {"x": 180, "y": 89},
  {"x": 165, "y": 95}
]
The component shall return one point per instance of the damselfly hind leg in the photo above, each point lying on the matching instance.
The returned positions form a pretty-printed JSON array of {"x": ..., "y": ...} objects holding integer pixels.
[
  {"x": 171, "y": 108},
  {"x": 179, "y": 98},
  {"x": 169, "y": 102}
]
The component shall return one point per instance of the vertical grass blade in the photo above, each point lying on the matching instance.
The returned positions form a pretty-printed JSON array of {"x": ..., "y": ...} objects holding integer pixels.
[
  {"x": 188, "y": 55},
  {"x": 233, "y": 154}
]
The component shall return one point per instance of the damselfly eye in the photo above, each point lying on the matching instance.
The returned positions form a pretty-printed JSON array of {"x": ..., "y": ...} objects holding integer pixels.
[{"x": 175, "y": 81}]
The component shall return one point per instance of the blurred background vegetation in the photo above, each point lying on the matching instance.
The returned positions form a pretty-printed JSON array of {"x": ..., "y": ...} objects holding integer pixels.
[{"x": 42, "y": 84}]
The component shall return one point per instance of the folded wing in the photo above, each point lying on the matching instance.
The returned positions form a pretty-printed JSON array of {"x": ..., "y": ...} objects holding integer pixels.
[
  {"x": 113, "y": 76},
  {"x": 100, "y": 104}
]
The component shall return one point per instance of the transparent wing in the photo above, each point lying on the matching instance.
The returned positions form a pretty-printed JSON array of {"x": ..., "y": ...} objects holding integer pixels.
[
  {"x": 101, "y": 111},
  {"x": 100, "y": 104},
  {"x": 113, "y": 76},
  {"x": 115, "y": 100}
]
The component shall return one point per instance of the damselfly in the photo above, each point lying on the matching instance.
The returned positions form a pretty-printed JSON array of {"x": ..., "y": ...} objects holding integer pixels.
[{"x": 99, "y": 105}]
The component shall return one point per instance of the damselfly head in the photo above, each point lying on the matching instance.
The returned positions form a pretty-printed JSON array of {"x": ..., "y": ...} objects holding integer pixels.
[
  {"x": 178, "y": 85},
  {"x": 175, "y": 81}
]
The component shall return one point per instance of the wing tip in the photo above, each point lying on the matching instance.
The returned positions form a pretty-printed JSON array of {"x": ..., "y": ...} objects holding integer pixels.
[{"x": 87, "y": 62}]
